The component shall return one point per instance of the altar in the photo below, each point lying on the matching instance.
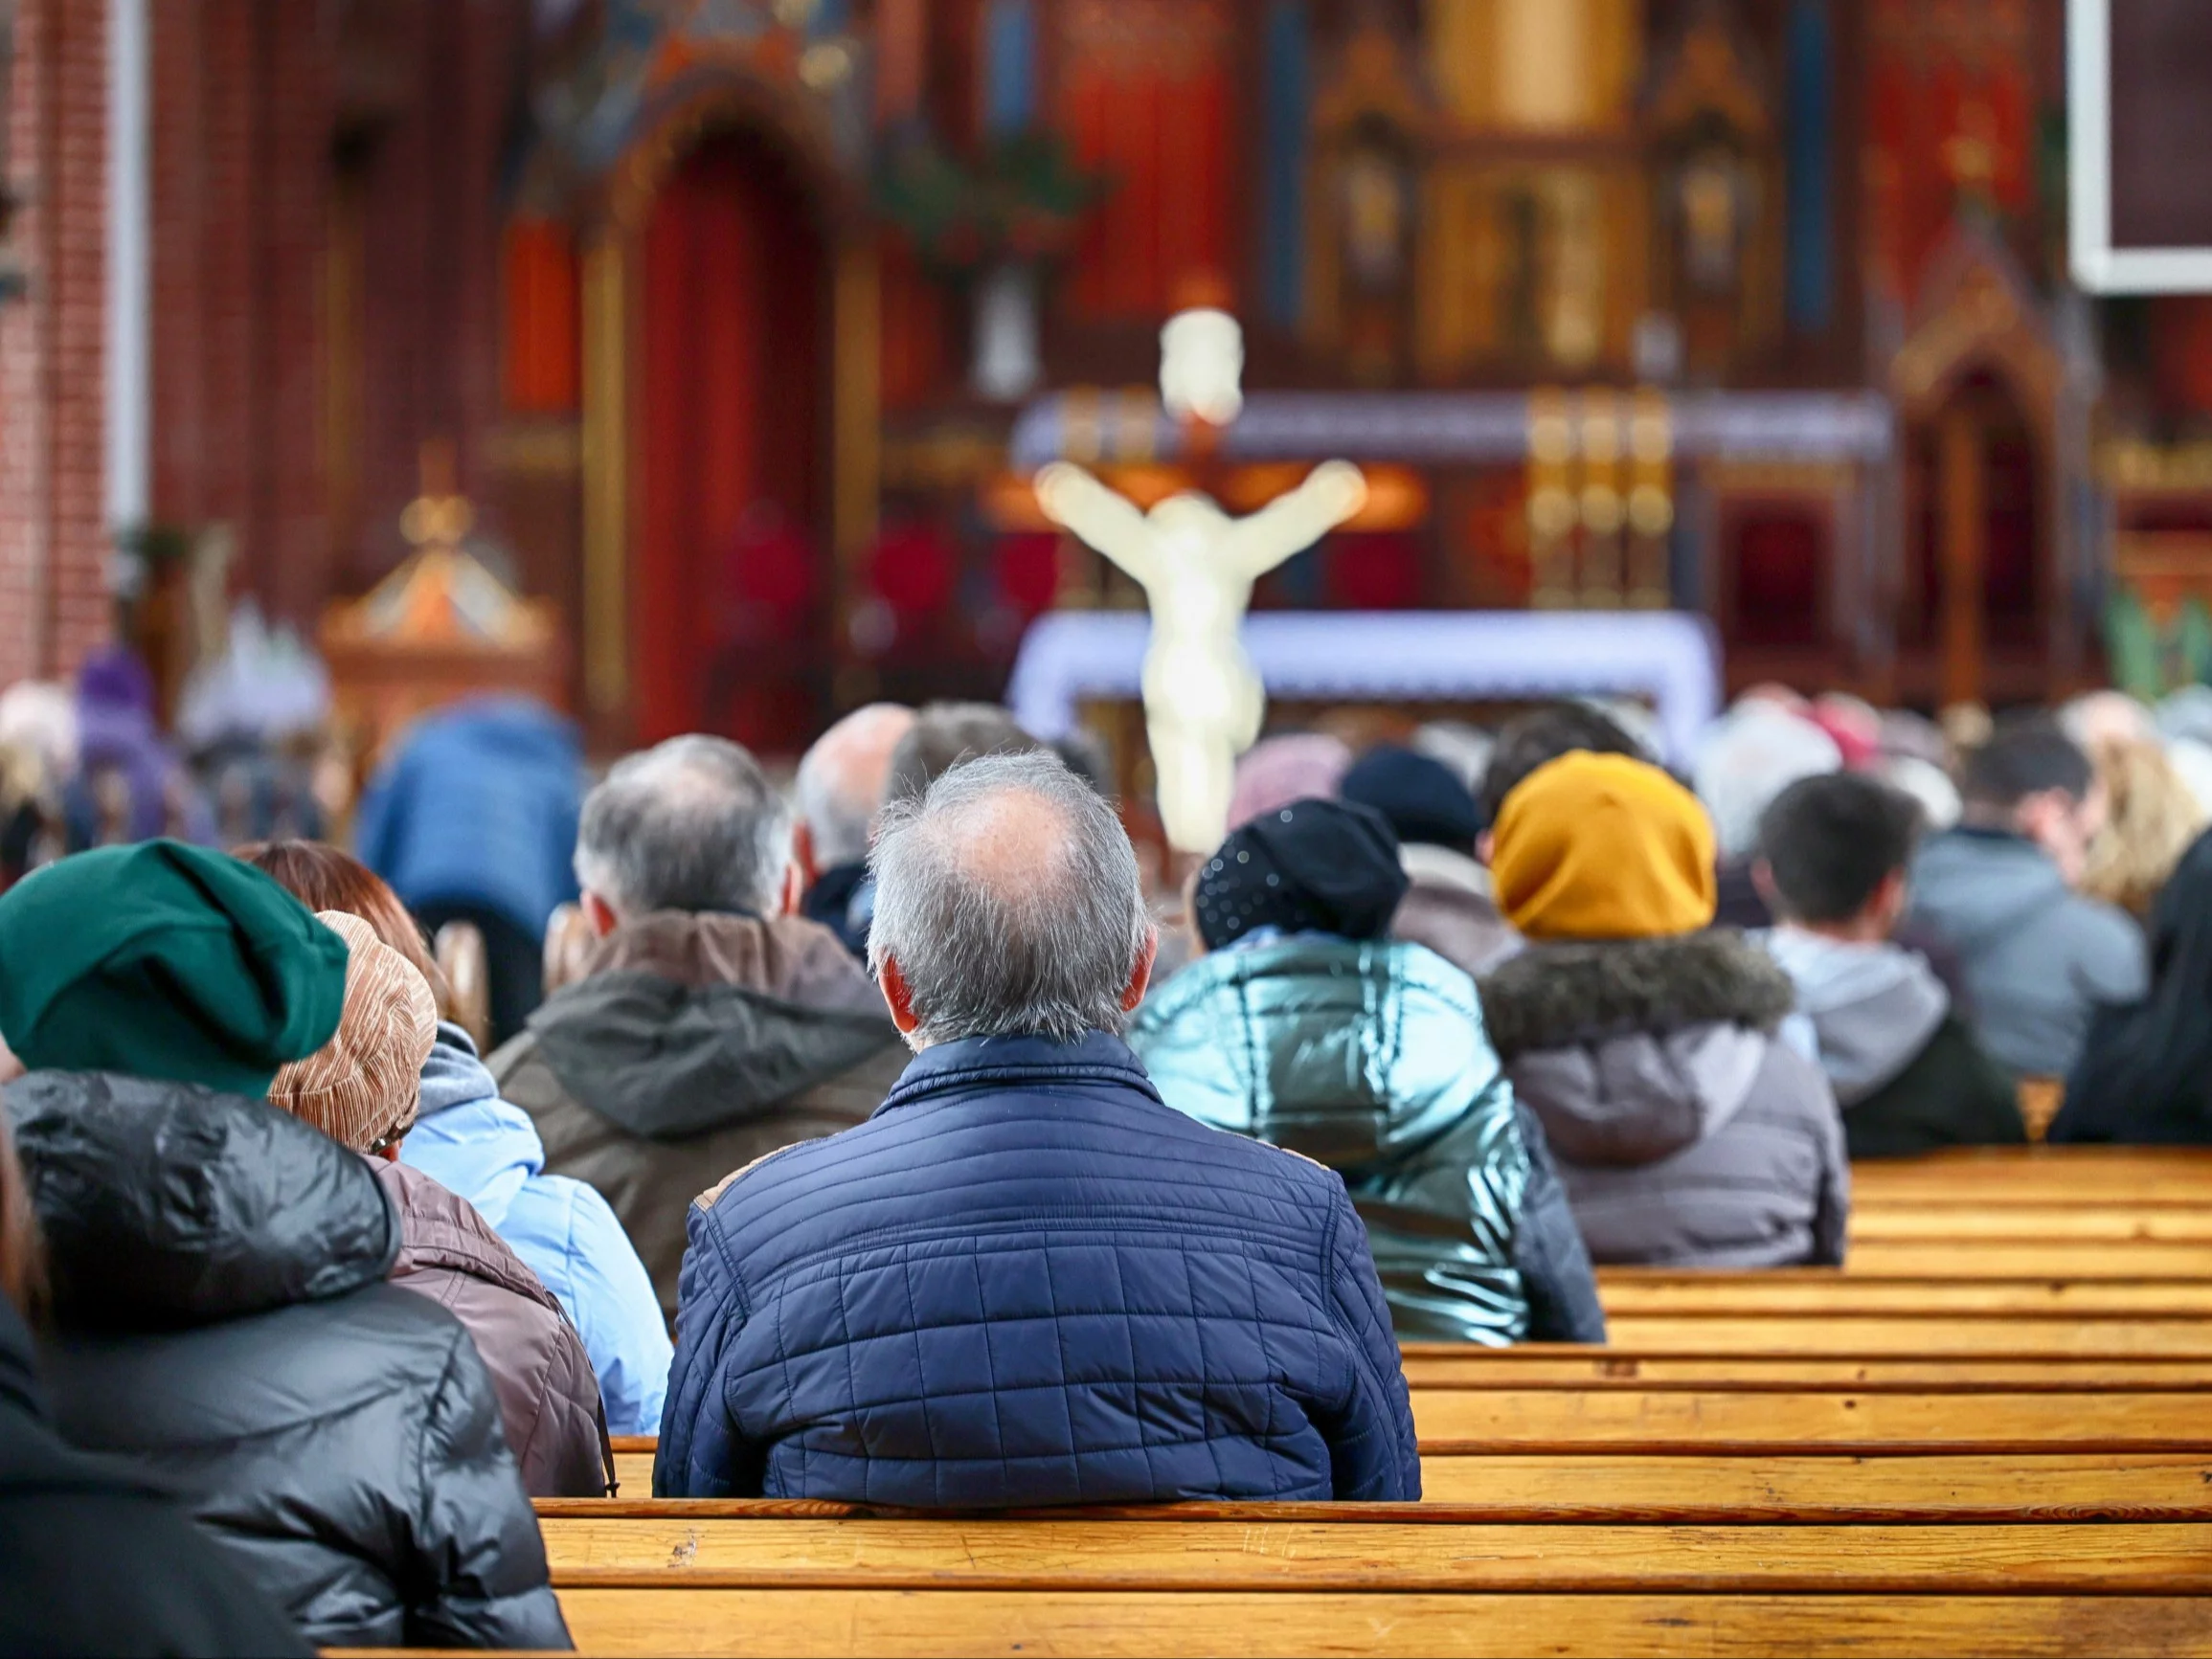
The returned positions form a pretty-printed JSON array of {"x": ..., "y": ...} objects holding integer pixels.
[{"x": 1670, "y": 660}]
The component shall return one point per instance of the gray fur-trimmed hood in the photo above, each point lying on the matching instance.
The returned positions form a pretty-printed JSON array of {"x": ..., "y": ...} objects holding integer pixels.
[
  {"x": 1560, "y": 995},
  {"x": 1628, "y": 1053}
]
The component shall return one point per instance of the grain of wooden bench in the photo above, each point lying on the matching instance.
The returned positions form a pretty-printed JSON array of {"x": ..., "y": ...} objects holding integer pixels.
[
  {"x": 2058, "y": 1558},
  {"x": 2042, "y": 1223},
  {"x": 928, "y": 1623},
  {"x": 1720, "y": 1332},
  {"x": 1683, "y": 1488},
  {"x": 1440, "y": 1365},
  {"x": 2072, "y": 1259},
  {"x": 1767, "y": 1420},
  {"x": 1823, "y": 1290}
]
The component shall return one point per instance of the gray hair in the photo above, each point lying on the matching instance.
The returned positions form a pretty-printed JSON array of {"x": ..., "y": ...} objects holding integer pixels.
[
  {"x": 944, "y": 734},
  {"x": 693, "y": 824},
  {"x": 1009, "y": 897},
  {"x": 842, "y": 780}
]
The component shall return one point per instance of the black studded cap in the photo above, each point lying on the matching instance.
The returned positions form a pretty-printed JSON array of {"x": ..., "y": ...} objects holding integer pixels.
[{"x": 1315, "y": 866}]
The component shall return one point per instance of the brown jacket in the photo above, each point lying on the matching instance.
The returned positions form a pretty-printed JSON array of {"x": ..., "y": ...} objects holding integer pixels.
[
  {"x": 693, "y": 1046},
  {"x": 549, "y": 1395}
]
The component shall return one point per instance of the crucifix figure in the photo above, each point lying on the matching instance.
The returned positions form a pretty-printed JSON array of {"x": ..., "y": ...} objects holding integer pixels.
[{"x": 1203, "y": 699}]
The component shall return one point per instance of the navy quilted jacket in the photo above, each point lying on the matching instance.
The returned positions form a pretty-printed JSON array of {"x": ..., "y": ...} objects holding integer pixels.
[{"x": 1025, "y": 1281}]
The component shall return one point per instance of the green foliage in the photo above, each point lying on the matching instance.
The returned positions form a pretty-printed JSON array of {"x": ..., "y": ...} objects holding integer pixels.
[{"x": 1022, "y": 198}]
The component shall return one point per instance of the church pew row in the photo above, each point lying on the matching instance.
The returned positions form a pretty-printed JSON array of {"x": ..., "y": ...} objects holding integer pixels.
[
  {"x": 2070, "y": 1177},
  {"x": 2069, "y": 1258},
  {"x": 2049, "y": 1224},
  {"x": 1772, "y": 1420},
  {"x": 1685, "y": 1489},
  {"x": 1151, "y": 1624},
  {"x": 1354, "y": 1557},
  {"x": 1461, "y": 1365},
  {"x": 1632, "y": 1291}
]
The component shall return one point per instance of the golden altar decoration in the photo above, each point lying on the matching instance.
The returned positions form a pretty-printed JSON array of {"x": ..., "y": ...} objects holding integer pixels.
[{"x": 439, "y": 629}]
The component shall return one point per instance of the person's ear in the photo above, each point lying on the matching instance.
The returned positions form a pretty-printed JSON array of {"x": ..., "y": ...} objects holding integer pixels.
[
  {"x": 803, "y": 853},
  {"x": 390, "y": 1155},
  {"x": 794, "y": 891},
  {"x": 1762, "y": 878},
  {"x": 898, "y": 997},
  {"x": 600, "y": 914},
  {"x": 1141, "y": 977},
  {"x": 1890, "y": 897}
]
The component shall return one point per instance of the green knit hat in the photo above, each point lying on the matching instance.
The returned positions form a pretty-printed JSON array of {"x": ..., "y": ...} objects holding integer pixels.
[{"x": 167, "y": 961}]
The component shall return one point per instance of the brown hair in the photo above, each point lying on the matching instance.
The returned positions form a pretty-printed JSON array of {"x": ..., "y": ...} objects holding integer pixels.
[
  {"x": 22, "y": 1253},
  {"x": 323, "y": 878}
]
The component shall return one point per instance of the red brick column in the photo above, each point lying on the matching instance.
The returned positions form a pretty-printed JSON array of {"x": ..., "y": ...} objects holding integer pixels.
[{"x": 53, "y": 605}]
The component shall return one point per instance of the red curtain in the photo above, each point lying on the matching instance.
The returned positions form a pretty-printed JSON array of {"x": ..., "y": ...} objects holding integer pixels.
[
  {"x": 1145, "y": 101},
  {"x": 544, "y": 326},
  {"x": 725, "y": 593}
]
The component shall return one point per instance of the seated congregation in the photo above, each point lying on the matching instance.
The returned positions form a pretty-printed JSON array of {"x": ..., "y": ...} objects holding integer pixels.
[{"x": 953, "y": 1195}]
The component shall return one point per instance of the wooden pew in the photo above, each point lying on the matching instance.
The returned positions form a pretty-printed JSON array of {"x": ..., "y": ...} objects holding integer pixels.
[
  {"x": 1382, "y": 1582},
  {"x": 1768, "y": 1419},
  {"x": 817, "y": 1624},
  {"x": 1696, "y": 1488},
  {"x": 1446, "y": 1364},
  {"x": 1361, "y": 1552},
  {"x": 2069, "y": 1178},
  {"x": 2056, "y": 1226},
  {"x": 1630, "y": 1291},
  {"x": 2074, "y": 1258}
]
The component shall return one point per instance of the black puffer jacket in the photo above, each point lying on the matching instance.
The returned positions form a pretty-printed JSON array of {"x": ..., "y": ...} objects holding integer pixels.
[
  {"x": 96, "y": 1560},
  {"x": 220, "y": 1278}
]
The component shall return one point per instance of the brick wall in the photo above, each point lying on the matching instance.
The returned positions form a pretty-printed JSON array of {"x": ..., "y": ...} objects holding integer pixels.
[
  {"x": 242, "y": 117},
  {"x": 53, "y": 605}
]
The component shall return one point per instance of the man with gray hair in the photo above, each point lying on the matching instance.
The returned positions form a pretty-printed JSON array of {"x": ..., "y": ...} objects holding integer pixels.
[
  {"x": 711, "y": 1025},
  {"x": 1026, "y": 1280},
  {"x": 842, "y": 783}
]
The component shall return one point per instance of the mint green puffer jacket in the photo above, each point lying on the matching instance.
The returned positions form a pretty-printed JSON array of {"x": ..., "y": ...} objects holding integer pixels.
[{"x": 1372, "y": 1059}]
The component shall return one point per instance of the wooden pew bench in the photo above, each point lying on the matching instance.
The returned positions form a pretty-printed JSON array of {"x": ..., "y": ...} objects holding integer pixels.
[
  {"x": 1708, "y": 1487},
  {"x": 1133, "y": 1623},
  {"x": 1769, "y": 1419},
  {"x": 1271, "y": 1579}
]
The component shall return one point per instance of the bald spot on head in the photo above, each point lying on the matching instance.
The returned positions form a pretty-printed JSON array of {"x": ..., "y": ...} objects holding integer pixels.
[
  {"x": 843, "y": 779},
  {"x": 1013, "y": 843}
]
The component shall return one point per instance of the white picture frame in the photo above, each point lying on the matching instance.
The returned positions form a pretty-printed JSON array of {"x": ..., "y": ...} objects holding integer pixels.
[{"x": 2098, "y": 266}]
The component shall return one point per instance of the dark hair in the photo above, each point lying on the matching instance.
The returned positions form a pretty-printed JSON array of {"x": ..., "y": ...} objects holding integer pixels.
[
  {"x": 324, "y": 877},
  {"x": 22, "y": 1253},
  {"x": 1533, "y": 741},
  {"x": 2026, "y": 755},
  {"x": 1830, "y": 842},
  {"x": 943, "y": 734}
]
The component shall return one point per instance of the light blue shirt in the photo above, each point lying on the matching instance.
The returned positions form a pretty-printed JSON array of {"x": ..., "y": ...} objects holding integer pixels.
[{"x": 486, "y": 1150}]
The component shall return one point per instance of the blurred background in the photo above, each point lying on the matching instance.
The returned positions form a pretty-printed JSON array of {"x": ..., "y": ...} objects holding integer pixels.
[{"x": 685, "y": 363}]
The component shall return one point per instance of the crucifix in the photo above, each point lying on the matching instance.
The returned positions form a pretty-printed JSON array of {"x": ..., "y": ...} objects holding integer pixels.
[{"x": 1204, "y": 703}]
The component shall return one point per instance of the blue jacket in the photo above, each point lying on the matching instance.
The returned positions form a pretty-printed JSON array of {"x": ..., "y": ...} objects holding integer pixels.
[
  {"x": 480, "y": 807},
  {"x": 1026, "y": 1281},
  {"x": 1372, "y": 1057},
  {"x": 473, "y": 1143}
]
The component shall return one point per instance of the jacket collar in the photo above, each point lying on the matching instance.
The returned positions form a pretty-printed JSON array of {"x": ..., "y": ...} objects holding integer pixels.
[
  {"x": 1565, "y": 995},
  {"x": 977, "y": 1065}
]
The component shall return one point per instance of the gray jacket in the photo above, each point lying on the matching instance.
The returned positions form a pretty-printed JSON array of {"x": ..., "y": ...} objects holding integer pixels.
[
  {"x": 1686, "y": 1132},
  {"x": 2038, "y": 959},
  {"x": 693, "y": 1046}
]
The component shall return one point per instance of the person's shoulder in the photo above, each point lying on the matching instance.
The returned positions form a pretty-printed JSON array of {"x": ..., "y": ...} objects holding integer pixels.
[{"x": 1790, "y": 1083}]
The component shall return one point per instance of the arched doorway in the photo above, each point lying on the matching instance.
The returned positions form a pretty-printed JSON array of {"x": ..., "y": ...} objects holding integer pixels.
[
  {"x": 1977, "y": 569},
  {"x": 731, "y": 571}
]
